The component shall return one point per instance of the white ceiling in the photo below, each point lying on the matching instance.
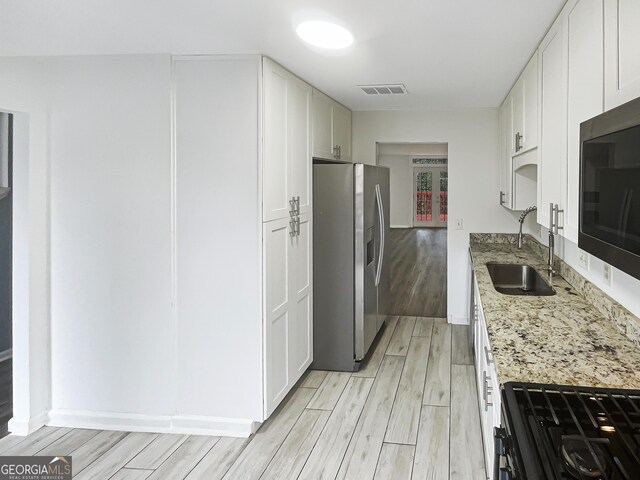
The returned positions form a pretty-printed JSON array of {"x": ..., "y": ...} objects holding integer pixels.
[{"x": 449, "y": 53}]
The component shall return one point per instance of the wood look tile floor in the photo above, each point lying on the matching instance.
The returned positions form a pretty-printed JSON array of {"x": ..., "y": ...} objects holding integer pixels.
[
  {"x": 411, "y": 412},
  {"x": 419, "y": 272}
]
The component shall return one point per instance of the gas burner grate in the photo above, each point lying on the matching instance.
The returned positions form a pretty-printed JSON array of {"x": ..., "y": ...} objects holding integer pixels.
[{"x": 576, "y": 432}]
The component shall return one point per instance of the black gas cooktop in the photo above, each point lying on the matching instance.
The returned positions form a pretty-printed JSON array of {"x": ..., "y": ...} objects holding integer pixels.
[{"x": 556, "y": 432}]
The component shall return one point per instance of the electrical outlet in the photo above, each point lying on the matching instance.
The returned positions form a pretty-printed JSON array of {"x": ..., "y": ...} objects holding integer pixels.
[
  {"x": 583, "y": 259},
  {"x": 606, "y": 274},
  {"x": 458, "y": 224}
]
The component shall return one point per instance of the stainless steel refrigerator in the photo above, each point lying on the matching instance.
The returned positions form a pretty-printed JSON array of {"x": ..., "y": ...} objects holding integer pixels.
[{"x": 350, "y": 262}]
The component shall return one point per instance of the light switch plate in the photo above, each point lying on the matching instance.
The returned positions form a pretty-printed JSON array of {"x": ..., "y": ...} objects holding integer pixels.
[
  {"x": 606, "y": 274},
  {"x": 458, "y": 224}
]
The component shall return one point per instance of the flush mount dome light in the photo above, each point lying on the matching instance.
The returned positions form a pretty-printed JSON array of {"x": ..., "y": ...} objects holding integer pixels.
[{"x": 324, "y": 34}]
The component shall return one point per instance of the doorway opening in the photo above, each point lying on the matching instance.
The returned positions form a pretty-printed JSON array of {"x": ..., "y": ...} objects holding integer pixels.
[
  {"x": 6, "y": 265},
  {"x": 419, "y": 211},
  {"x": 431, "y": 187}
]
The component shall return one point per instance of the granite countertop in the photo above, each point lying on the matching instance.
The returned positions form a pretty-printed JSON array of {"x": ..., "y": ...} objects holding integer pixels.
[{"x": 561, "y": 339}]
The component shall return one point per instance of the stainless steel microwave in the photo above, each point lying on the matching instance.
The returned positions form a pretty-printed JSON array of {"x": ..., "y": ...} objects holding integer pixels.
[{"x": 610, "y": 187}]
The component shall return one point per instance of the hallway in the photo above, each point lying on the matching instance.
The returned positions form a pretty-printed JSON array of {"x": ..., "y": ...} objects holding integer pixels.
[{"x": 419, "y": 272}]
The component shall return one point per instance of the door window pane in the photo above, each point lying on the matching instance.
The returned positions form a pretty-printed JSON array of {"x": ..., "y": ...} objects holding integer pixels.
[
  {"x": 424, "y": 190},
  {"x": 444, "y": 196}
]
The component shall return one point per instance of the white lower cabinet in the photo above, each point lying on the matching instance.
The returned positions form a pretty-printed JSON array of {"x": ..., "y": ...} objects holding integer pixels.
[
  {"x": 487, "y": 382},
  {"x": 288, "y": 305}
]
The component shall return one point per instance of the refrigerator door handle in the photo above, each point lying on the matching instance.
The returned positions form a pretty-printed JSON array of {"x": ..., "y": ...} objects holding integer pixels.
[{"x": 381, "y": 220}]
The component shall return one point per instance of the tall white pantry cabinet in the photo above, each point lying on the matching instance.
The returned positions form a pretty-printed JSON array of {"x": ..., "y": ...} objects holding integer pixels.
[{"x": 243, "y": 231}]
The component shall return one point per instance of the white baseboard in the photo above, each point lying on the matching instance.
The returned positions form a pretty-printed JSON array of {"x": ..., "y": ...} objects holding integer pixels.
[
  {"x": 456, "y": 320},
  {"x": 22, "y": 428},
  {"x": 6, "y": 355},
  {"x": 128, "y": 422}
]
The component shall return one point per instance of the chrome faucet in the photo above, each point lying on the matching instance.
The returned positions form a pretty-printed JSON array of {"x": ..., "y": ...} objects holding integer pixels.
[
  {"x": 522, "y": 217},
  {"x": 551, "y": 263}
]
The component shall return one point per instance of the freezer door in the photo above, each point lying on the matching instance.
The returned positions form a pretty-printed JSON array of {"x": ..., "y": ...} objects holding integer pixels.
[
  {"x": 384, "y": 282},
  {"x": 367, "y": 251}
]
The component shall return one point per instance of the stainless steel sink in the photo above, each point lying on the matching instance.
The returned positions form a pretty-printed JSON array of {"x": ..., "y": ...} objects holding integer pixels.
[{"x": 517, "y": 279}]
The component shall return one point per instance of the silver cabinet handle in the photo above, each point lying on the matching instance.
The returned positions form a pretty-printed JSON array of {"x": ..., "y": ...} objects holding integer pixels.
[
  {"x": 518, "y": 142},
  {"x": 487, "y": 356},
  {"x": 556, "y": 212},
  {"x": 484, "y": 386},
  {"x": 297, "y": 204},
  {"x": 339, "y": 151},
  {"x": 487, "y": 390},
  {"x": 336, "y": 153},
  {"x": 502, "y": 195},
  {"x": 292, "y": 206},
  {"x": 294, "y": 224}
]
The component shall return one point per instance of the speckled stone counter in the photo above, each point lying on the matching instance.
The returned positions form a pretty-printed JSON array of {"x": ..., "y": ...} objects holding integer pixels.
[{"x": 560, "y": 339}]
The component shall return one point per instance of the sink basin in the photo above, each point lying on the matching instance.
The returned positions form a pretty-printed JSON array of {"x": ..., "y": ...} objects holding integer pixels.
[{"x": 517, "y": 279}]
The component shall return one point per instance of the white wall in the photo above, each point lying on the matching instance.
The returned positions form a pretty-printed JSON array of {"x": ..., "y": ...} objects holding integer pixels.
[
  {"x": 112, "y": 329},
  {"x": 472, "y": 137},
  {"x": 23, "y": 89},
  {"x": 401, "y": 188},
  {"x": 96, "y": 335}
]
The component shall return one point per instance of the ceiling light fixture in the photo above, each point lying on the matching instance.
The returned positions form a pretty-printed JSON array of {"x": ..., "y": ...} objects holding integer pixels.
[{"x": 324, "y": 34}]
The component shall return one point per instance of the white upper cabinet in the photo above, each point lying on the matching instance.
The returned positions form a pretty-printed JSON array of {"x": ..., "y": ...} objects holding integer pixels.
[
  {"x": 287, "y": 142},
  {"x": 530, "y": 102},
  {"x": 323, "y": 146},
  {"x": 524, "y": 110},
  {"x": 506, "y": 172},
  {"x": 519, "y": 140},
  {"x": 342, "y": 132},
  {"x": 585, "y": 92},
  {"x": 552, "y": 164},
  {"x": 299, "y": 144},
  {"x": 331, "y": 129},
  {"x": 622, "y": 51}
]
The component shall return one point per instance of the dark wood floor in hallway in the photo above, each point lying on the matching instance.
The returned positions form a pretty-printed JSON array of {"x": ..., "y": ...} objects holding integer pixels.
[{"x": 419, "y": 272}]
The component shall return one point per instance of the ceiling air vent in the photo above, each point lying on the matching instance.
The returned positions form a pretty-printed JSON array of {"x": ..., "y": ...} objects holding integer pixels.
[{"x": 392, "y": 89}]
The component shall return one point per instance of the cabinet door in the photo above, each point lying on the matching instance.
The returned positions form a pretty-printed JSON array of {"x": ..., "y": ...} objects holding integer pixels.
[
  {"x": 322, "y": 126},
  {"x": 280, "y": 310},
  {"x": 622, "y": 44},
  {"x": 301, "y": 339},
  {"x": 276, "y": 191},
  {"x": 530, "y": 102},
  {"x": 288, "y": 280},
  {"x": 552, "y": 166},
  {"x": 585, "y": 92},
  {"x": 517, "y": 117},
  {"x": 299, "y": 137},
  {"x": 342, "y": 131},
  {"x": 506, "y": 177}
]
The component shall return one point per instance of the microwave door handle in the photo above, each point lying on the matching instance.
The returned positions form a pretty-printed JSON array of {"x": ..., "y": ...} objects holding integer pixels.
[{"x": 381, "y": 221}]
